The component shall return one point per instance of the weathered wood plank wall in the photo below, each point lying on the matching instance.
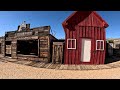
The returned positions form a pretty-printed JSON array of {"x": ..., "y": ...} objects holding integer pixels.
[{"x": 57, "y": 53}]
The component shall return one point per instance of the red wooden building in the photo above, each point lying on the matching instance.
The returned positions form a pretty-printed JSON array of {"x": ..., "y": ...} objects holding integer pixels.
[{"x": 85, "y": 38}]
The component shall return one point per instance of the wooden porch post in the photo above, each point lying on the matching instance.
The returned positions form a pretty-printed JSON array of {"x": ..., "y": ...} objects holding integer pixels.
[{"x": 38, "y": 48}]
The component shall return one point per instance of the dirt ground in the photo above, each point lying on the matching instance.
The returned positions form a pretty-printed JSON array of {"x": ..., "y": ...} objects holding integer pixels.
[{"x": 17, "y": 71}]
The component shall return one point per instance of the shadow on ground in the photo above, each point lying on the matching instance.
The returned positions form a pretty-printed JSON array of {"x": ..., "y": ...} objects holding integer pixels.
[{"x": 112, "y": 59}]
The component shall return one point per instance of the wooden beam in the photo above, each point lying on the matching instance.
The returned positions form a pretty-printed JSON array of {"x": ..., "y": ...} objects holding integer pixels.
[{"x": 38, "y": 48}]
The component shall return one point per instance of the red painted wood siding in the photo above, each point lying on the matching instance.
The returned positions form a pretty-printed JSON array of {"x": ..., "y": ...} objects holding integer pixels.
[
  {"x": 73, "y": 56},
  {"x": 84, "y": 25}
]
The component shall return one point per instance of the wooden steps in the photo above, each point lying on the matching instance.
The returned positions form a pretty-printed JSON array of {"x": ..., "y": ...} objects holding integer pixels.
[
  {"x": 58, "y": 66},
  {"x": 71, "y": 67},
  {"x": 39, "y": 65},
  {"x": 20, "y": 62},
  {"x": 49, "y": 65},
  {"x": 63, "y": 67},
  {"x": 78, "y": 67},
  {"x": 53, "y": 66}
]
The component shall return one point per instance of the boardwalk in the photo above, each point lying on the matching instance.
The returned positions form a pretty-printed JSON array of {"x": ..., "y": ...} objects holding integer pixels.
[
  {"x": 61, "y": 66},
  {"x": 10, "y": 70},
  {"x": 16, "y": 69}
]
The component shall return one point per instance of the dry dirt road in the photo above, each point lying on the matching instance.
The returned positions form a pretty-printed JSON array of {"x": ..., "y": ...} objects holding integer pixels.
[{"x": 16, "y": 71}]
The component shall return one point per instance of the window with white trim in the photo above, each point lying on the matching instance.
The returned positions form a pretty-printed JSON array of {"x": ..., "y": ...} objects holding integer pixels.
[
  {"x": 99, "y": 44},
  {"x": 71, "y": 43}
]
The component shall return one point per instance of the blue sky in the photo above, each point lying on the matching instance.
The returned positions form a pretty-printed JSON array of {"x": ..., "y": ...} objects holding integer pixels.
[{"x": 9, "y": 21}]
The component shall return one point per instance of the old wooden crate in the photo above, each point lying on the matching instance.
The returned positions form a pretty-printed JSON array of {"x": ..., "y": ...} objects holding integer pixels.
[{"x": 57, "y": 53}]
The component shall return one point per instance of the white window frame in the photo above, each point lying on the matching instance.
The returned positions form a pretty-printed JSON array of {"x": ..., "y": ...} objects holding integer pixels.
[
  {"x": 71, "y": 43},
  {"x": 100, "y": 44}
]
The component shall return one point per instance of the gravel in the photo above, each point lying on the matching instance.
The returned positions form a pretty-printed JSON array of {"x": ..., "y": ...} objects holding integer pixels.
[{"x": 17, "y": 71}]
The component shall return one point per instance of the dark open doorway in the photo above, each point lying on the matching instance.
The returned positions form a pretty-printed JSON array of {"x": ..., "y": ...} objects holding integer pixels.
[{"x": 27, "y": 47}]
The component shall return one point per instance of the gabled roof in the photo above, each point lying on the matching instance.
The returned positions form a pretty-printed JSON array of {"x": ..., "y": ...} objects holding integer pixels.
[{"x": 104, "y": 22}]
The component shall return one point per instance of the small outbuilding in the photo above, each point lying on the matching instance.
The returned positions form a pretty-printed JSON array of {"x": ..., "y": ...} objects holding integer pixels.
[{"x": 85, "y": 38}]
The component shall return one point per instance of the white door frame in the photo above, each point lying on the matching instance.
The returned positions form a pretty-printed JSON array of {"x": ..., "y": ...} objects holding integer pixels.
[{"x": 85, "y": 50}]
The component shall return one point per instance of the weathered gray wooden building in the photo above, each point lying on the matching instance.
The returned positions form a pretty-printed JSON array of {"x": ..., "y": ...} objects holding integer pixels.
[
  {"x": 28, "y": 43},
  {"x": 2, "y": 50},
  {"x": 113, "y": 46}
]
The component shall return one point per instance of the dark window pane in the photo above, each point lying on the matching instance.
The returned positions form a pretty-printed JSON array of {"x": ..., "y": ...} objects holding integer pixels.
[
  {"x": 98, "y": 44},
  {"x": 102, "y": 45},
  {"x": 73, "y": 43},
  {"x": 69, "y": 44}
]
